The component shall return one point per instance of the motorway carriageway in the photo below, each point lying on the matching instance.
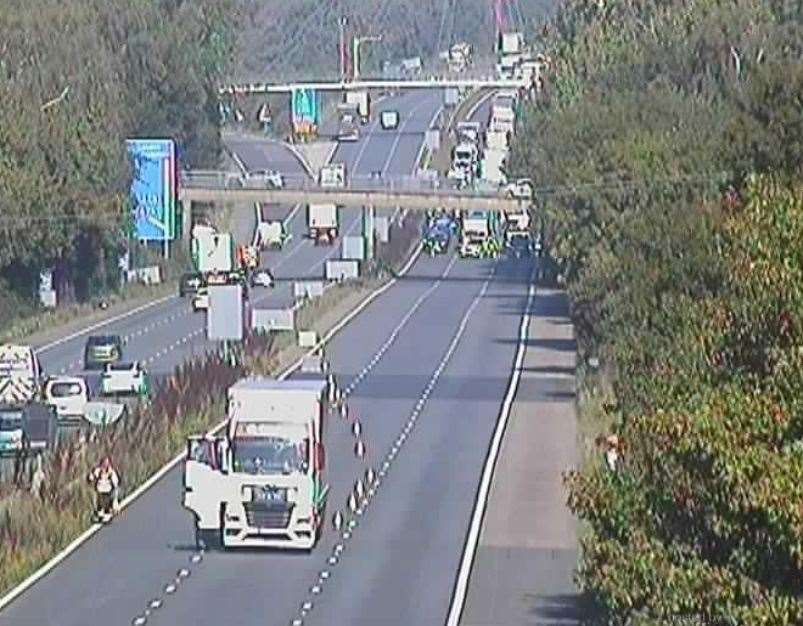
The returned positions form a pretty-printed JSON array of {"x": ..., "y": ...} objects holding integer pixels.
[
  {"x": 428, "y": 362},
  {"x": 165, "y": 334},
  {"x": 436, "y": 349}
]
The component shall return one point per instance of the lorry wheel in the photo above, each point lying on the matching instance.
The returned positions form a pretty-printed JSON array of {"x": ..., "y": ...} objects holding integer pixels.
[{"x": 206, "y": 539}]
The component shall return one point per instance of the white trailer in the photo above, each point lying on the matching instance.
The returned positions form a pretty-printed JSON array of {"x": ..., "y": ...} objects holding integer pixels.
[
  {"x": 493, "y": 166},
  {"x": 497, "y": 140},
  {"x": 262, "y": 483},
  {"x": 212, "y": 251},
  {"x": 511, "y": 43},
  {"x": 322, "y": 222}
]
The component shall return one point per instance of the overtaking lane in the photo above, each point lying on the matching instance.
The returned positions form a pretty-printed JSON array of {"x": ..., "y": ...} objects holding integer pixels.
[{"x": 401, "y": 565}]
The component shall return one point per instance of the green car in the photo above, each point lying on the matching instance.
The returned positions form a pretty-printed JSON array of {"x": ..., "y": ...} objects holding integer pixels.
[{"x": 101, "y": 350}]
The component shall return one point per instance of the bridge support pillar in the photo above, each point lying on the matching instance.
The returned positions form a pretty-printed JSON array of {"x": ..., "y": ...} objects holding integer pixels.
[
  {"x": 186, "y": 222},
  {"x": 368, "y": 213}
]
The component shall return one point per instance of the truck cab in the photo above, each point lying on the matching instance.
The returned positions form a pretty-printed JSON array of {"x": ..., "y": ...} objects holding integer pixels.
[
  {"x": 349, "y": 129},
  {"x": 261, "y": 484},
  {"x": 322, "y": 222}
]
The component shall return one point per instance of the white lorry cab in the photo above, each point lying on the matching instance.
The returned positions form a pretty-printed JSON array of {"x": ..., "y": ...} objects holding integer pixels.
[
  {"x": 20, "y": 374},
  {"x": 322, "y": 222},
  {"x": 262, "y": 483},
  {"x": 465, "y": 155},
  {"x": 517, "y": 225}
]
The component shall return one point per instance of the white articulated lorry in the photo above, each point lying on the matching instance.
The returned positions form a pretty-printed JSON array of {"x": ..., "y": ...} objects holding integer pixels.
[{"x": 262, "y": 483}]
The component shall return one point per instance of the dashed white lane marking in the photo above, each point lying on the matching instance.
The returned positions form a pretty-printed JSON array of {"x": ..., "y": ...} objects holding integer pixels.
[
  {"x": 400, "y": 440},
  {"x": 399, "y": 327}
]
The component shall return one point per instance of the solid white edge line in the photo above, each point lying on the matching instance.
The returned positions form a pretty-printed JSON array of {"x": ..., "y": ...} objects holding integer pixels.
[
  {"x": 139, "y": 491},
  {"x": 473, "y": 536},
  {"x": 478, "y": 104},
  {"x": 103, "y": 323}
]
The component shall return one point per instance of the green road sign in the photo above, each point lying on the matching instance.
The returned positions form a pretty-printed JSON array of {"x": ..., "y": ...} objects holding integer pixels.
[{"x": 306, "y": 106}]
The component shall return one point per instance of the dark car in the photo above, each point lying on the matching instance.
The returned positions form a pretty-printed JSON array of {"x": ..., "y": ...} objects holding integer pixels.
[
  {"x": 190, "y": 284},
  {"x": 102, "y": 349},
  {"x": 437, "y": 239},
  {"x": 30, "y": 428},
  {"x": 520, "y": 247}
]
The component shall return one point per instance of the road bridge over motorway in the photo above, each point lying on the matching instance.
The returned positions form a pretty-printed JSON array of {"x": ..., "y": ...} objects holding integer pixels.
[
  {"x": 383, "y": 84},
  {"x": 408, "y": 192}
]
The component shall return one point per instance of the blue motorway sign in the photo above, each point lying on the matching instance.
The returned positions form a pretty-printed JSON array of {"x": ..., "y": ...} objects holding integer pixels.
[
  {"x": 306, "y": 106},
  {"x": 153, "y": 188}
]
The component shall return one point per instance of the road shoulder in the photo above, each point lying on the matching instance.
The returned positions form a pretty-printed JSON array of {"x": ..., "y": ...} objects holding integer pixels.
[{"x": 522, "y": 572}]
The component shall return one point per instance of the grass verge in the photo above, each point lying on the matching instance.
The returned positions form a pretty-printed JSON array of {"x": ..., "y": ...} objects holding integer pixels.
[{"x": 43, "y": 326}]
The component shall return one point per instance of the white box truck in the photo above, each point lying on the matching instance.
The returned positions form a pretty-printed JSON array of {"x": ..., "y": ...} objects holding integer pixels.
[
  {"x": 261, "y": 484},
  {"x": 475, "y": 231},
  {"x": 363, "y": 101},
  {"x": 492, "y": 168},
  {"x": 517, "y": 224},
  {"x": 322, "y": 222}
]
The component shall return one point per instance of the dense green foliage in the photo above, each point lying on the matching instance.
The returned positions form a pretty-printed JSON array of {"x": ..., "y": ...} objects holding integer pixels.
[
  {"x": 76, "y": 80},
  {"x": 300, "y": 39},
  {"x": 668, "y": 145}
]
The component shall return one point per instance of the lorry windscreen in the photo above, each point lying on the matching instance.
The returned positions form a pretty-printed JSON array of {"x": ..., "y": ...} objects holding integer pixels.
[{"x": 269, "y": 455}]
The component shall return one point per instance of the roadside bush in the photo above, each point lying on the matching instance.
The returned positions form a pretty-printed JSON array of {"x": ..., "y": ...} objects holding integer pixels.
[{"x": 667, "y": 149}]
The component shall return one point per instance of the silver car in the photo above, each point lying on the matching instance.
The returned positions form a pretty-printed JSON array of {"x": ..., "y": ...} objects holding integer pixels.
[{"x": 263, "y": 179}]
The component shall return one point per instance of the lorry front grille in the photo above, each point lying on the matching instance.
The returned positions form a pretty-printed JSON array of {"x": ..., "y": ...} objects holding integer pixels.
[{"x": 273, "y": 515}]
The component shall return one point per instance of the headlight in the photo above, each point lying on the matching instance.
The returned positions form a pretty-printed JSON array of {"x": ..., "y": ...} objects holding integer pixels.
[{"x": 247, "y": 493}]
